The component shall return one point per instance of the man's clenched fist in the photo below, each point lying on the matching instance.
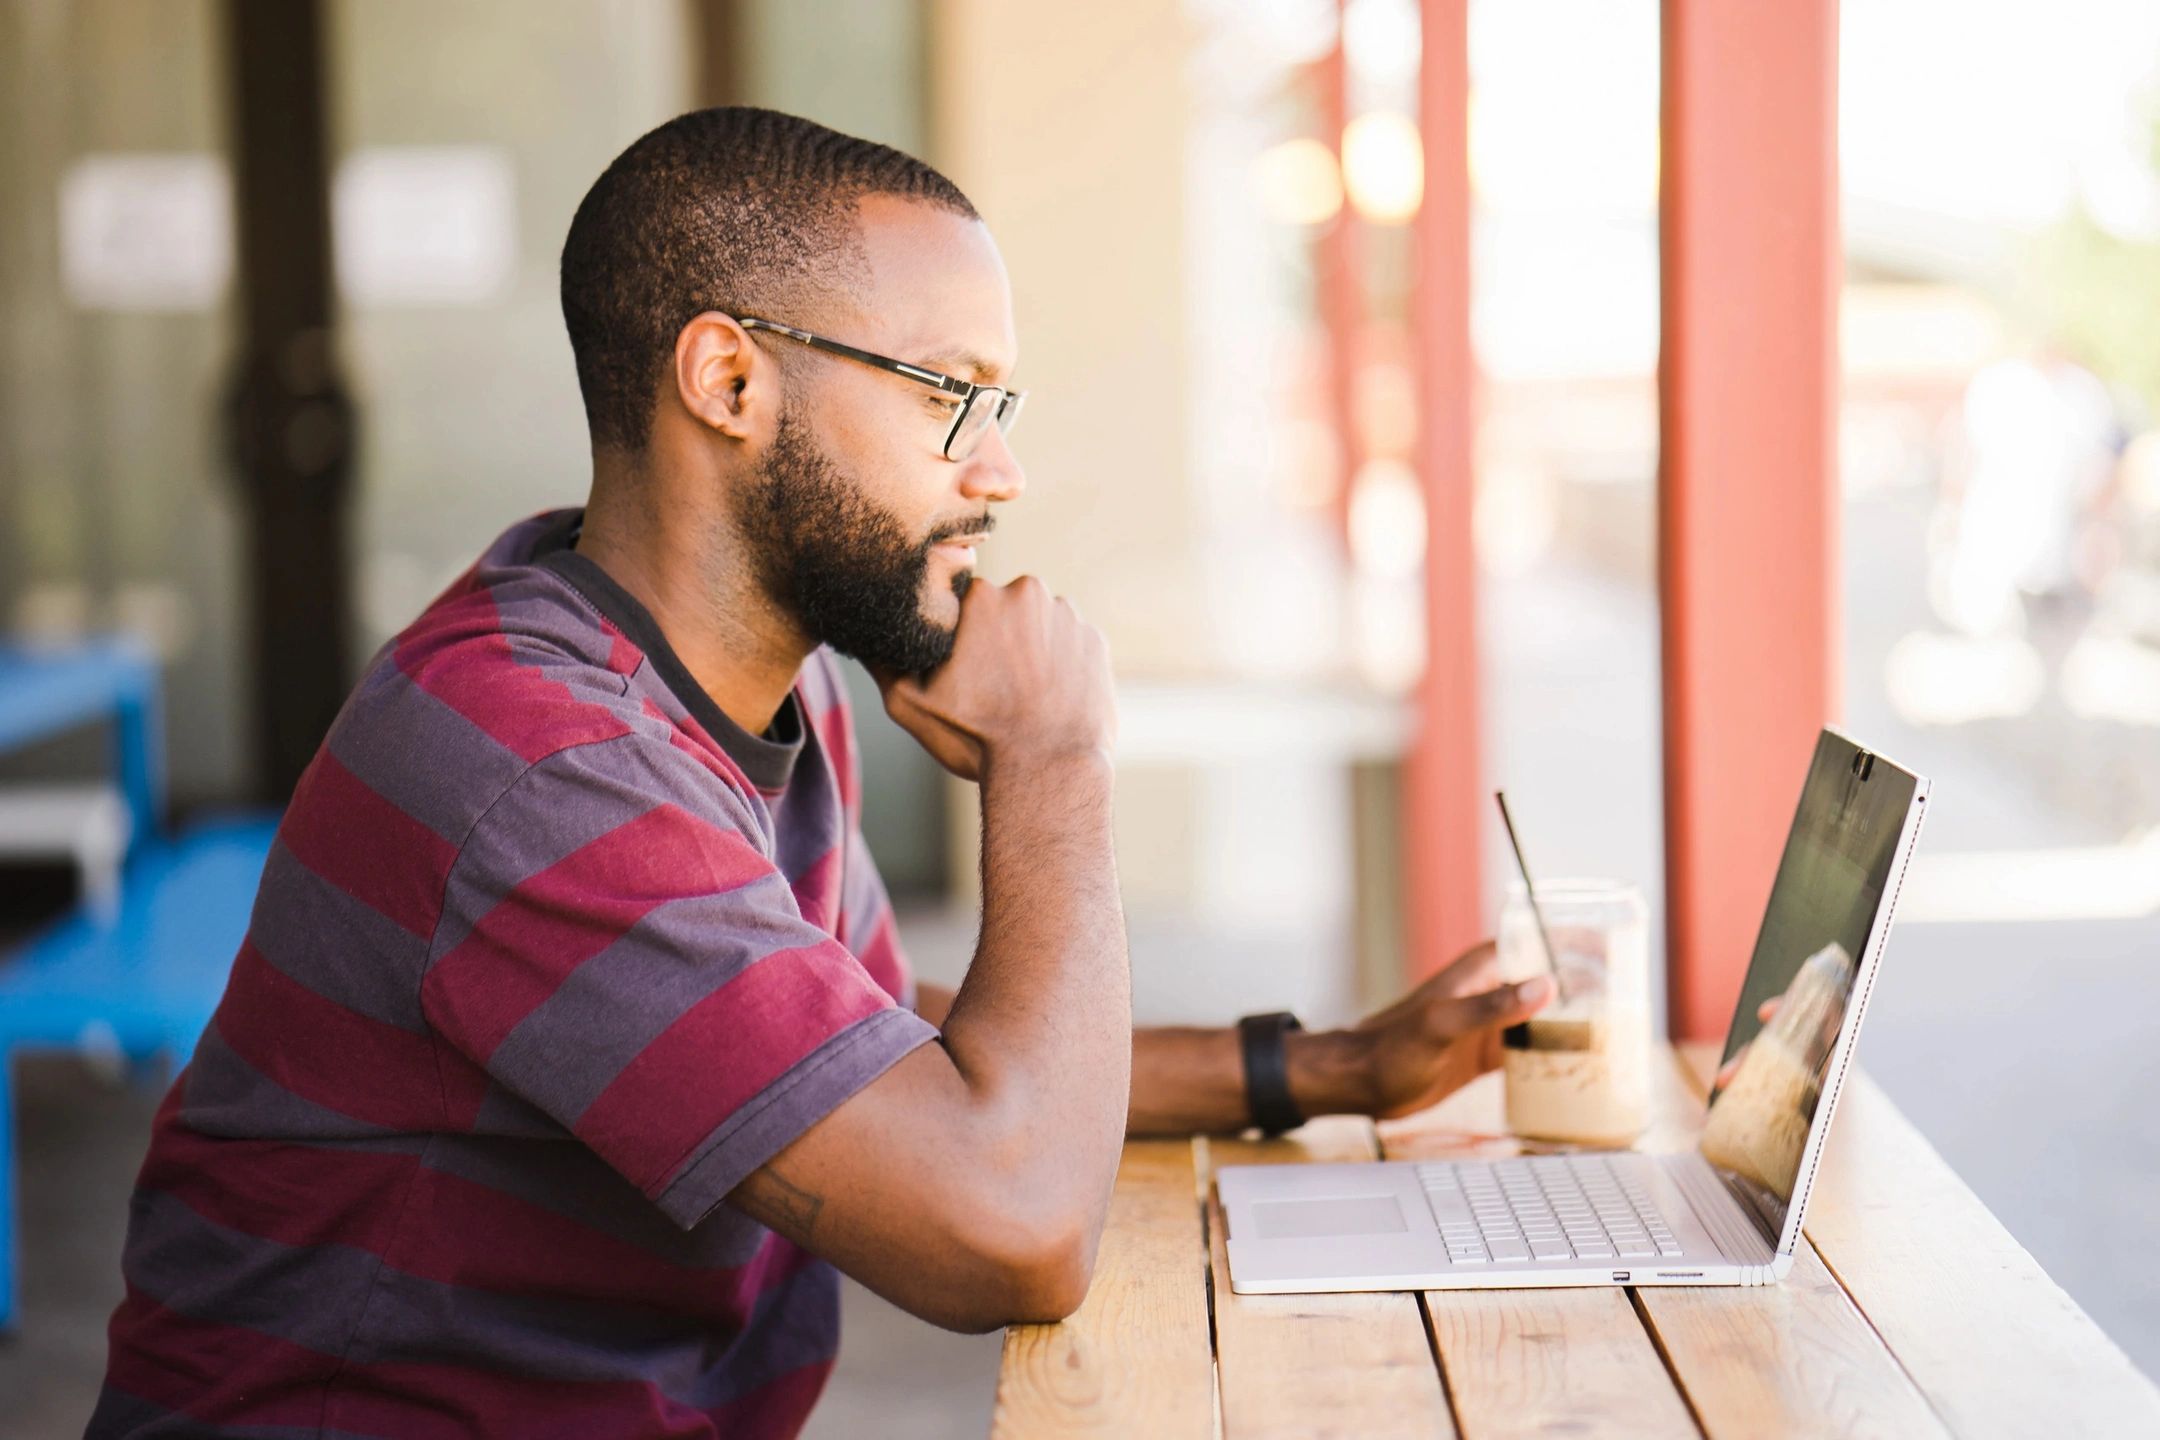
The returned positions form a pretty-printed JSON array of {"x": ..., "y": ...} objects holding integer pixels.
[{"x": 1028, "y": 680}]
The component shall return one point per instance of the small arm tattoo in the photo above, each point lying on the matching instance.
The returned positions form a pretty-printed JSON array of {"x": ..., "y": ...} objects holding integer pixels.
[{"x": 799, "y": 1207}]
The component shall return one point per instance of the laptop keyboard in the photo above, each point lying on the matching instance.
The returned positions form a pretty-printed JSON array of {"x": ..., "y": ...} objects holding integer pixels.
[{"x": 1544, "y": 1207}]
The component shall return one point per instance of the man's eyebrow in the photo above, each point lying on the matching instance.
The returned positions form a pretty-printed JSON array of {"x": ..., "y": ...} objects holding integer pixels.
[{"x": 964, "y": 363}]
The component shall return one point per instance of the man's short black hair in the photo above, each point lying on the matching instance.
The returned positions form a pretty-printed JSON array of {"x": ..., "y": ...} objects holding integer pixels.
[{"x": 735, "y": 209}]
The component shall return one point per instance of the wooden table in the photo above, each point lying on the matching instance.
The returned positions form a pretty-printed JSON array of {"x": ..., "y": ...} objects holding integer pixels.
[{"x": 1910, "y": 1313}]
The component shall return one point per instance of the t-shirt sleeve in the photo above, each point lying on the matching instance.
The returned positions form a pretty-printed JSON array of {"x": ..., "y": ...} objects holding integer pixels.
[
  {"x": 866, "y": 923},
  {"x": 619, "y": 950}
]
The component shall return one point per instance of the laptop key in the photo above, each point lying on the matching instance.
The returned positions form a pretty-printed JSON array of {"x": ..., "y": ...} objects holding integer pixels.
[
  {"x": 1550, "y": 1249},
  {"x": 1448, "y": 1208}
]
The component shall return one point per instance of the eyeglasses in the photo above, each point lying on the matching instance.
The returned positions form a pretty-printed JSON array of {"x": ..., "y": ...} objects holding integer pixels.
[{"x": 979, "y": 405}]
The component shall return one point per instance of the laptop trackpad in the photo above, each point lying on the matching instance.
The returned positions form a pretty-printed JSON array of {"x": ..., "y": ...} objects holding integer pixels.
[{"x": 1309, "y": 1219}]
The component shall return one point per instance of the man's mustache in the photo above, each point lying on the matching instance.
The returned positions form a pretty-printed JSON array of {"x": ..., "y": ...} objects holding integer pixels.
[{"x": 981, "y": 524}]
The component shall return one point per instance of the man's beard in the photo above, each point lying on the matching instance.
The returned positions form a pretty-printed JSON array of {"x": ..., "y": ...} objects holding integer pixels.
[{"x": 842, "y": 566}]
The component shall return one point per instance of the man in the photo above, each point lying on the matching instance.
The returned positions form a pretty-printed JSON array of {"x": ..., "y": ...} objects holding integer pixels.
[{"x": 571, "y": 1053}]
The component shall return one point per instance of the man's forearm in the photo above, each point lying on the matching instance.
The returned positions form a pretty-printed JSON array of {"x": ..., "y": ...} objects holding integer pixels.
[
  {"x": 1190, "y": 1080},
  {"x": 1041, "y": 1028}
]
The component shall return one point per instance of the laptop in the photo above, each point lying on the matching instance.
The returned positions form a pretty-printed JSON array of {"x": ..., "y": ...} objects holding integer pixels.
[{"x": 1725, "y": 1213}]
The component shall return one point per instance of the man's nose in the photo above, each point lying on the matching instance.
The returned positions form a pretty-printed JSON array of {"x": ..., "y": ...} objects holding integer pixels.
[{"x": 991, "y": 473}]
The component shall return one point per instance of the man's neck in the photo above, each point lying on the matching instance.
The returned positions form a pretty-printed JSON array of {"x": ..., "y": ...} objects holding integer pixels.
[{"x": 698, "y": 585}]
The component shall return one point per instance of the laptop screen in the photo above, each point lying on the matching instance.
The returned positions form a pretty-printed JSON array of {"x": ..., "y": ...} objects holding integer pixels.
[{"x": 1793, "y": 1009}]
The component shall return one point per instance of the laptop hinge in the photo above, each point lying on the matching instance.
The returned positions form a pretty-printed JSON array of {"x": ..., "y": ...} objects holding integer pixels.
[
  {"x": 1757, "y": 1205},
  {"x": 1732, "y": 1220}
]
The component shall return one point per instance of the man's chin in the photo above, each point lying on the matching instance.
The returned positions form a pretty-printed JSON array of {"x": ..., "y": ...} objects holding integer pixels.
[
  {"x": 941, "y": 606},
  {"x": 942, "y": 621}
]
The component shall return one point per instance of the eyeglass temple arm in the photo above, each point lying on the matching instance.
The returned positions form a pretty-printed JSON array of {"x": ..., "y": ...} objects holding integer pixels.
[{"x": 950, "y": 384}]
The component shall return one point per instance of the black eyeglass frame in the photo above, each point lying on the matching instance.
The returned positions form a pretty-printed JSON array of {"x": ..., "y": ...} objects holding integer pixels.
[{"x": 968, "y": 392}]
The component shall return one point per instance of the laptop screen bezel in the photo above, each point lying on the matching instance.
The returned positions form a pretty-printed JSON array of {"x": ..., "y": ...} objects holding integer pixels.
[{"x": 1786, "y": 1237}]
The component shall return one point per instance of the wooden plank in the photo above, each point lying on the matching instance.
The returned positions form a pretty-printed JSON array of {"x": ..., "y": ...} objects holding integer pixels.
[
  {"x": 1793, "y": 1359},
  {"x": 1134, "y": 1359},
  {"x": 1319, "y": 1365},
  {"x": 1545, "y": 1362},
  {"x": 1997, "y": 1348},
  {"x": 1534, "y": 1362}
]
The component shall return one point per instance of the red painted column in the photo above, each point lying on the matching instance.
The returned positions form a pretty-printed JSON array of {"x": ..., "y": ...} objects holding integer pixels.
[
  {"x": 1747, "y": 500},
  {"x": 1443, "y": 807}
]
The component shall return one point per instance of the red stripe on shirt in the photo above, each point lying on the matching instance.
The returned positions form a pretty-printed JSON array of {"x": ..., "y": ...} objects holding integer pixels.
[
  {"x": 460, "y": 655},
  {"x": 696, "y": 1073},
  {"x": 293, "y": 1194},
  {"x": 623, "y": 657},
  {"x": 882, "y": 956},
  {"x": 526, "y": 945},
  {"x": 366, "y": 846},
  {"x": 340, "y": 1059},
  {"x": 817, "y": 891},
  {"x": 837, "y": 737}
]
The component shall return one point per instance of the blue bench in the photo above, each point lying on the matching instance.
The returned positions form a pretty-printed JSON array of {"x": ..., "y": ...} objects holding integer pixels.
[{"x": 142, "y": 981}]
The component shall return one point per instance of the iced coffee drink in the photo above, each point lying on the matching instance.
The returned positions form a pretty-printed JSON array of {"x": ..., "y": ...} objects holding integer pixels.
[{"x": 1583, "y": 1073}]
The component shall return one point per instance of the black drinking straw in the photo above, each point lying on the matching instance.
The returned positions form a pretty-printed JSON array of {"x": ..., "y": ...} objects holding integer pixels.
[{"x": 1517, "y": 1036}]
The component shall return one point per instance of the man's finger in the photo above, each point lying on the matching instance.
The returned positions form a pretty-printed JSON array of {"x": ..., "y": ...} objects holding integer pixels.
[
  {"x": 1502, "y": 1005},
  {"x": 1726, "y": 1071},
  {"x": 898, "y": 690},
  {"x": 1467, "y": 965}
]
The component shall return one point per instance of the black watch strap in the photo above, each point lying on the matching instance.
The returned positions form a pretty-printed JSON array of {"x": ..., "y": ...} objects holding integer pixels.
[{"x": 1267, "y": 1071}]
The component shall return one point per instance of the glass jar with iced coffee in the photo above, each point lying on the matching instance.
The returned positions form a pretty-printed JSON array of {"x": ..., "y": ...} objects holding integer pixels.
[{"x": 1580, "y": 1070}]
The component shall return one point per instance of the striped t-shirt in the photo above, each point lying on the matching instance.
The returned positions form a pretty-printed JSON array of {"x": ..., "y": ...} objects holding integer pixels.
[{"x": 548, "y": 957}]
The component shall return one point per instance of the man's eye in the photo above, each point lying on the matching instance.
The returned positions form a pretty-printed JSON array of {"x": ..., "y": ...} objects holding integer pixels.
[{"x": 944, "y": 402}]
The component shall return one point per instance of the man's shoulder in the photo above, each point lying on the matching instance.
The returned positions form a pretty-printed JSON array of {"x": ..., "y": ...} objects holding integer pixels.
[
  {"x": 506, "y": 671},
  {"x": 520, "y": 655}
]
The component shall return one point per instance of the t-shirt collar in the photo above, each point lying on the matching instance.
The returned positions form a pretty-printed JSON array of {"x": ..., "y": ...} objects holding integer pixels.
[{"x": 768, "y": 759}]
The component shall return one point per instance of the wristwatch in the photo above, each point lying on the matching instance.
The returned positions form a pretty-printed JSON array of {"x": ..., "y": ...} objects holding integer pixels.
[{"x": 1267, "y": 1071}]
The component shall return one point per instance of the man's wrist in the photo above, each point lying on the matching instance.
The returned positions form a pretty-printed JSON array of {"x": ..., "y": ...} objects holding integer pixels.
[
  {"x": 1036, "y": 763},
  {"x": 1330, "y": 1071}
]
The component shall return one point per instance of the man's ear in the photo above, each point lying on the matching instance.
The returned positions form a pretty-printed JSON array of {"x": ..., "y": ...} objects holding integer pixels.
[{"x": 723, "y": 379}]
